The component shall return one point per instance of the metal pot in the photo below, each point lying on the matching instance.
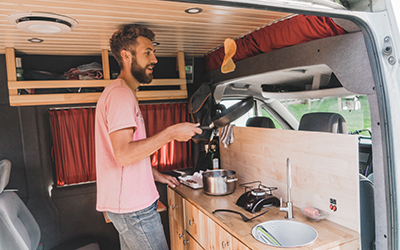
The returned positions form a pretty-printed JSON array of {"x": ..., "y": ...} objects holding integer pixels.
[{"x": 219, "y": 182}]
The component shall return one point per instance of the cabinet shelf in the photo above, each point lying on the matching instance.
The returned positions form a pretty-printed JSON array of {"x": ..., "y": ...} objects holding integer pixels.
[{"x": 75, "y": 98}]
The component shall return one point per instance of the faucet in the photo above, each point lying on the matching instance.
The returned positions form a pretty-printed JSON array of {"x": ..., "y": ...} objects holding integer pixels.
[{"x": 289, "y": 205}]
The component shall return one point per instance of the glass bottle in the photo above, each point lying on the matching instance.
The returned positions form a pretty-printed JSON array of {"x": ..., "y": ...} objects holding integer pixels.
[{"x": 214, "y": 157}]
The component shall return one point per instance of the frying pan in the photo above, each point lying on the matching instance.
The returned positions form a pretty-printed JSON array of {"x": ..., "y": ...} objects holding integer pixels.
[{"x": 230, "y": 114}]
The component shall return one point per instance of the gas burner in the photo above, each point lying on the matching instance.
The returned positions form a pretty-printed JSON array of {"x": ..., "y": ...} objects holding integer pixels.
[
  {"x": 258, "y": 188},
  {"x": 257, "y": 197},
  {"x": 258, "y": 192}
]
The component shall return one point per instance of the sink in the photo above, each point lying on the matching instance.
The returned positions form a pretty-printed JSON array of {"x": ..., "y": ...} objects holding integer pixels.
[{"x": 284, "y": 233}]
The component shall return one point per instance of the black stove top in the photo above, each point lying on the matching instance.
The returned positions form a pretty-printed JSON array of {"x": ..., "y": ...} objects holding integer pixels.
[{"x": 257, "y": 196}]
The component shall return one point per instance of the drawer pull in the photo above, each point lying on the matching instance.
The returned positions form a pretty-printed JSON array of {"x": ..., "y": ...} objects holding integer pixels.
[
  {"x": 190, "y": 222},
  {"x": 185, "y": 242},
  {"x": 181, "y": 236},
  {"x": 225, "y": 244},
  {"x": 173, "y": 207}
]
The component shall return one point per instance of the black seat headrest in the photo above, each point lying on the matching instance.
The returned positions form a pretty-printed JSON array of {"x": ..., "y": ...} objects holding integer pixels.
[
  {"x": 261, "y": 122},
  {"x": 323, "y": 122}
]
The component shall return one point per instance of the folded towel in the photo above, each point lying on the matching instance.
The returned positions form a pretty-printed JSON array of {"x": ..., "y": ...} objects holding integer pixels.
[
  {"x": 90, "y": 67},
  {"x": 226, "y": 136},
  {"x": 198, "y": 176}
]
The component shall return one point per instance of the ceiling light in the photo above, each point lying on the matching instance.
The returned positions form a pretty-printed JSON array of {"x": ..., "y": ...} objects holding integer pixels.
[
  {"x": 42, "y": 23},
  {"x": 193, "y": 10},
  {"x": 35, "y": 40}
]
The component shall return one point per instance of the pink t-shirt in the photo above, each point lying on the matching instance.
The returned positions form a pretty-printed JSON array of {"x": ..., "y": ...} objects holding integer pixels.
[{"x": 121, "y": 189}]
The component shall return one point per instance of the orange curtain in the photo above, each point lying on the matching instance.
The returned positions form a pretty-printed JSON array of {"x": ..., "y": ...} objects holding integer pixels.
[
  {"x": 73, "y": 145},
  {"x": 174, "y": 155}
]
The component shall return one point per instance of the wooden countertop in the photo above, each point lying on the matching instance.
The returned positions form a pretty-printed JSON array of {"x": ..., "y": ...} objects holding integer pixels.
[{"x": 330, "y": 234}]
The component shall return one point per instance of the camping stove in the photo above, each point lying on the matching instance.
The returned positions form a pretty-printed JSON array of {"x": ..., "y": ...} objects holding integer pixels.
[{"x": 257, "y": 196}]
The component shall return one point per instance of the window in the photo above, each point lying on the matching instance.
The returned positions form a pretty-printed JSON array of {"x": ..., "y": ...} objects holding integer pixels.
[{"x": 354, "y": 109}]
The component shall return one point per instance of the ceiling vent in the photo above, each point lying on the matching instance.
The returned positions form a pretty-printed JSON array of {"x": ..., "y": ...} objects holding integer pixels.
[{"x": 42, "y": 23}]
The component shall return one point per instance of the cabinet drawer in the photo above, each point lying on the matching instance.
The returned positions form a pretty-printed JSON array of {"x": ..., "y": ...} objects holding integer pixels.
[
  {"x": 191, "y": 244},
  {"x": 237, "y": 245},
  {"x": 175, "y": 215},
  {"x": 177, "y": 236},
  {"x": 175, "y": 208},
  {"x": 195, "y": 223},
  {"x": 220, "y": 239}
]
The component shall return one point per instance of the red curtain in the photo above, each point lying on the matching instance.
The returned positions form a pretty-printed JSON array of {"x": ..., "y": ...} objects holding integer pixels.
[
  {"x": 296, "y": 30},
  {"x": 174, "y": 155},
  {"x": 74, "y": 149},
  {"x": 73, "y": 145}
]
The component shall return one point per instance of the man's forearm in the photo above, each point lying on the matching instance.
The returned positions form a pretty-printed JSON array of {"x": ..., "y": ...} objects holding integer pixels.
[
  {"x": 135, "y": 151},
  {"x": 127, "y": 151}
]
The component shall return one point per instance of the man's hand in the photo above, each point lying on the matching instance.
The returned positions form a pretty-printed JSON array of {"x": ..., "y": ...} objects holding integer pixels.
[
  {"x": 185, "y": 131},
  {"x": 164, "y": 178}
]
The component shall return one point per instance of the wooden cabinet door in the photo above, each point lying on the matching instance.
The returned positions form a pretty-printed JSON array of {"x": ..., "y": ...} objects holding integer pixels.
[
  {"x": 175, "y": 214},
  {"x": 195, "y": 223},
  {"x": 218, "y": 238},
  {"x": 191, "y": 244},
  {"x": 178, "y": 239},
  {"x": 237, "y": 245}
]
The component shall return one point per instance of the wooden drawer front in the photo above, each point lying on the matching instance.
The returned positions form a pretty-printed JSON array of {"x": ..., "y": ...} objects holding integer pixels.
[
  {"x": 218, "y": 238},
  {"x": 195, "y": 223},
  {"x": 178, "y": 239},
  {"x": 175, "y": 208},
  {"x": 237, "y": 245},
  {"x": 191, "y": 244}
]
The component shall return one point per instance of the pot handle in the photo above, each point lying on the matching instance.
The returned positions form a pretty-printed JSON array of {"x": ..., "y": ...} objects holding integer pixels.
[{"x": 231, "y": 180}]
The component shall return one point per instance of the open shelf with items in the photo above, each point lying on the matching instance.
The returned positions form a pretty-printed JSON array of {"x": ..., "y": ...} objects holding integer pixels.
[{"x": 179, "y": 92}]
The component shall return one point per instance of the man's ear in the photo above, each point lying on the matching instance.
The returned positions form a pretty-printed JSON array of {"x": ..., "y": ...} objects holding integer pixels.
[{"x": 126, "y": 55}]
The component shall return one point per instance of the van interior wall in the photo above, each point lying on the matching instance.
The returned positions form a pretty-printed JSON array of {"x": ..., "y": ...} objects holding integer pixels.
[{"x": 62, "y": 213}]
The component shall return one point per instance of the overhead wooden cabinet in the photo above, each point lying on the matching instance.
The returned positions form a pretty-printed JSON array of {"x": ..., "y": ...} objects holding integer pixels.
[{"x": 70, "y": 98}]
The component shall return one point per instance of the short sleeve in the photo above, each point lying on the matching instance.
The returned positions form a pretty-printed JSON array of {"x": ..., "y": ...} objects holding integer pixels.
[{"x": 121, "y": 109}]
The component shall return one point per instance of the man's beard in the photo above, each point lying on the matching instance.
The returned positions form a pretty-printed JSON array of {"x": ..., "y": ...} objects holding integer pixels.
[{"x": 140, "y": 73}]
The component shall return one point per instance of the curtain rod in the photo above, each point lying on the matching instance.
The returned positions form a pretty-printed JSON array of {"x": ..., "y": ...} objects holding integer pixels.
[
  {"x": 85, "y": 107},
  {"x": 80, "y": 107},
  {"x": 165, "y": 102}
]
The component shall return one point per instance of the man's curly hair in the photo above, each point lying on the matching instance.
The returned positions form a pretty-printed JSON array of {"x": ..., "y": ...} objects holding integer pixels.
[{"x": 125, "y": 39}]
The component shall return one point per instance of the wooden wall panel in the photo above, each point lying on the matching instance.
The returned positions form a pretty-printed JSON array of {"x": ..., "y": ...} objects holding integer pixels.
[{"x": 324, "y": 166}]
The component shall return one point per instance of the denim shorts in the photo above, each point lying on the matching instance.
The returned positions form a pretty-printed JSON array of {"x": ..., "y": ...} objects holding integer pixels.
[{"x": 140, "y": 230}]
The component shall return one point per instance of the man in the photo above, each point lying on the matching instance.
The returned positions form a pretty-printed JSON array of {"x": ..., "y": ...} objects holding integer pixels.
[{"x": 125, "y": 178}]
